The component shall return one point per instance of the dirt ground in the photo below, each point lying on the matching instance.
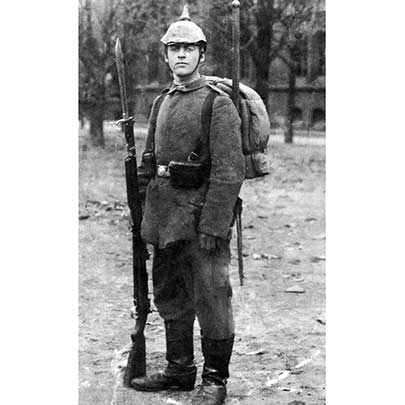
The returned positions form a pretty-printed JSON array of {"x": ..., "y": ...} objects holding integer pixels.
[{"x": 279, "y": 352}]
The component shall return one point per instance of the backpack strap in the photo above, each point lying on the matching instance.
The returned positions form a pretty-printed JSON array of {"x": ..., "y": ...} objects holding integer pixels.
[{"x": 206, "y": 115}]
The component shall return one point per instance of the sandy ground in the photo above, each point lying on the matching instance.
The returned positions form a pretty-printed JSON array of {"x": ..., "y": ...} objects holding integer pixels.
[{"x": 279, "y": 353}]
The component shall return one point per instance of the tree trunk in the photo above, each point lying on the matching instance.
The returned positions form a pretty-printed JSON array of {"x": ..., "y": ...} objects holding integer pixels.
[
  {"x": 220, "y": 38},
  {"x": 96, "y": 118},
  {"x": 289, "y": 130},
  {"x": 310, "y": 58},
  {"x": 153, "y": 62},
  {"x": 262, "y": 81}
]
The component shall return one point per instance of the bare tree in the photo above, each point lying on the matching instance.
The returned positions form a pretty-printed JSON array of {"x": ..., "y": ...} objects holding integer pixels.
[
  {"x": 139, "y": 24},
  {"x": 302, "y": 22},
  {"x": 267, "y": 27},
  {"x": 96, "y": 31},
  {"x": 271, "y": 29}
]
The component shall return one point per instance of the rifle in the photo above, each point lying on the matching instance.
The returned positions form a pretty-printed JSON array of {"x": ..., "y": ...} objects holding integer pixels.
[
  {"x": 235, "y": 99},
  {"x": 136, "y": 365}
]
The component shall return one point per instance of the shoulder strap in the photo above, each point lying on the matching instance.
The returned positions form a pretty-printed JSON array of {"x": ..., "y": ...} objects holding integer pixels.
[
  {"x": 150, "y": 141},
  {"x": 206, "y": 115}
]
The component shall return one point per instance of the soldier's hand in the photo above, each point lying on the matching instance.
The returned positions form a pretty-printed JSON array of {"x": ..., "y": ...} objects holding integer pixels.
[{"x": 208, "y": 242}]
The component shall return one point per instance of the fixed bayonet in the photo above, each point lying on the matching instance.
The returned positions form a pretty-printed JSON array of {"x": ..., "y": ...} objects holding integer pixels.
[
  {"x": 119, "y": 59},
  {"x": 136, "y": 365}
]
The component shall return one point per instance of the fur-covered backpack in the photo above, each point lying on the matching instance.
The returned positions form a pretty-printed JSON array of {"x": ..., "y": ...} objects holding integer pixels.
[{"x": 255, "y": 126}]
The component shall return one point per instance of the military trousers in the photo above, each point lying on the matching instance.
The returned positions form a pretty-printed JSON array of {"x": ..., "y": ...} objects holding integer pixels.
[{"x": 189, "y": 281}]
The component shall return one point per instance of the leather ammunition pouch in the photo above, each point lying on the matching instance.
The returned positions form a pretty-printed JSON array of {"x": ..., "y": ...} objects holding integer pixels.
[{"x": 188, "y": 174}]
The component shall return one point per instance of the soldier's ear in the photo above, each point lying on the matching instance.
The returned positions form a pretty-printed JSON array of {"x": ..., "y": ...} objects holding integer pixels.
[{"x": 202, "y": 57}]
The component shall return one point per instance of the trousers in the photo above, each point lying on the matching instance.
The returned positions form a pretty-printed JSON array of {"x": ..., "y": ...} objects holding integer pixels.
[{"x": 190, "y": 282}]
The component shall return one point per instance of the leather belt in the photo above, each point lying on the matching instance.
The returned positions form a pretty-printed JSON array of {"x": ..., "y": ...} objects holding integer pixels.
[{"x": 163, "y": 171}]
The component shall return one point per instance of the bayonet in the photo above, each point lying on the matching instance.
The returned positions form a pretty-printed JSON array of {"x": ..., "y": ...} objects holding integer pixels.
[{"x": 119, "y": 60}]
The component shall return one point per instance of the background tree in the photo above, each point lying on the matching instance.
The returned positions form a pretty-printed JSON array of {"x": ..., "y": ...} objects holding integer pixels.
[
  {"x": 266, "y": 29},
  {"x": 100, "y": 24},
  {"x": 140, "y": 25},
  {"x": 96, "y": 30},
  {"x": 219, "y": 37},
  {"x": 300, "y": 24},
  {"x": 273, "y": 29}
]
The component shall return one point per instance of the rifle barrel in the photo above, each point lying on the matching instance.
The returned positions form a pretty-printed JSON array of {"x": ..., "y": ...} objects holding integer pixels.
[{"x": 235, "y": 52}]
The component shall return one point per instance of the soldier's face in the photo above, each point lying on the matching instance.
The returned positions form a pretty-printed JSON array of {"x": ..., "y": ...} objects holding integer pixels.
[{"x": 183, "y": 59}]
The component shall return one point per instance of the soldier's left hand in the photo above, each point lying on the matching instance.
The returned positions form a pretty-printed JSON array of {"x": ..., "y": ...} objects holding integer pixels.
[{"x": 208, "y": 242}]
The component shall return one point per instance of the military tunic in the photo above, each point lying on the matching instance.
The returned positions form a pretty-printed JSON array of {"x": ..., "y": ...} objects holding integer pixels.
[{"x": 189, "y": 280}]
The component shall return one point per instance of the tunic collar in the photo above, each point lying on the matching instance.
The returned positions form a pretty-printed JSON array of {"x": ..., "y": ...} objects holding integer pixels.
[{"x": 185, "y": 88}]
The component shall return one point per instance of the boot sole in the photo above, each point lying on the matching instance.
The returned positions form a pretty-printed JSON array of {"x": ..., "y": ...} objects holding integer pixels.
[{"x": 171, "y": 388}]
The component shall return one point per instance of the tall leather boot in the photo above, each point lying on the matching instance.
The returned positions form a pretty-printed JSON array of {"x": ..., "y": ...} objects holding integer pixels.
[
  {"x": 180, "y": 373},
  {"x": 217, "y": 354}
]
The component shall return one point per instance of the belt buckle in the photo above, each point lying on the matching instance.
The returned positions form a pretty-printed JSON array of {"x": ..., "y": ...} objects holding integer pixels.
[{"x": 162, "y": 171}]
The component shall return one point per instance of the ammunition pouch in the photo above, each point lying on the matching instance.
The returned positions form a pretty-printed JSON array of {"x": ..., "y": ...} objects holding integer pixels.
[{"x": 187, "y": 174}]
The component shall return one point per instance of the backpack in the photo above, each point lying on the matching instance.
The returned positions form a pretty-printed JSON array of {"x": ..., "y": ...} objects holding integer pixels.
[{"x": 255, "y": 124}]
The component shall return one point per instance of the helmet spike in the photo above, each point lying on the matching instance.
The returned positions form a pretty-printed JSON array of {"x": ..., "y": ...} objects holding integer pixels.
[
  {"x": 185, "y": 16},
  {"x": 184, "y": 31}
]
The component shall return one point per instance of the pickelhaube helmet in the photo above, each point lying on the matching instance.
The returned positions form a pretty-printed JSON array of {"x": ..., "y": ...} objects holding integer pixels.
[{"x": 184, "y": 31}]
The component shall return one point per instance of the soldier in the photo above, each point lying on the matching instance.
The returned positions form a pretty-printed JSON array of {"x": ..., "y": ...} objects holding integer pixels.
[{"x": 193, "y": 167}]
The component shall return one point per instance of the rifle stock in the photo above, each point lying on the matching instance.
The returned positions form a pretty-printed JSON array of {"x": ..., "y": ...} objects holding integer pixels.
[
  {"x": 136, "y": 364},
  {"x": 235, "y": 99}
]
